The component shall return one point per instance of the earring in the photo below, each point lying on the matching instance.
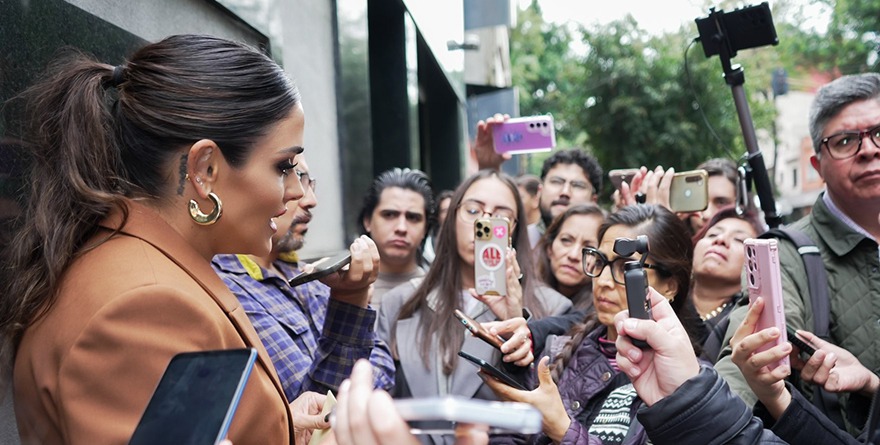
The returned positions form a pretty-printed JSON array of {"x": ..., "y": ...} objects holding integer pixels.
[{"x": 202, "y": 219}]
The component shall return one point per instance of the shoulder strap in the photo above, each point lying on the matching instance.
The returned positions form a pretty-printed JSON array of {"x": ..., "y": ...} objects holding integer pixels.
[{"x": 817, "y": 278}]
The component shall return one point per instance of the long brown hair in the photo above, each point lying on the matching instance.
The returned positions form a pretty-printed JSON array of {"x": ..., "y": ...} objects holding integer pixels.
[
  {"x": 671, "y": 249},
  {"x": 582, "y": 299},
  {"x": 100, "y": 134},
  {"x": 445, "y": 278}
]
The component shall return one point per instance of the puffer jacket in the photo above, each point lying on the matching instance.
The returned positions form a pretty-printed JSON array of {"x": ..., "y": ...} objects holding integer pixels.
[
  {"x": 853, "y": 266},
  {"x": 587, "y": 375}
]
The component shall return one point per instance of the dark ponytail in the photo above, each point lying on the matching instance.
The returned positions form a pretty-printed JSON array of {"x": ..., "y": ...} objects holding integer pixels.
[{"x": 100, "y": 134}]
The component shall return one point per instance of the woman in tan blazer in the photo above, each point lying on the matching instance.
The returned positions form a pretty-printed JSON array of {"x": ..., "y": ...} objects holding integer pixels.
[{"x": 142, "y": 173}]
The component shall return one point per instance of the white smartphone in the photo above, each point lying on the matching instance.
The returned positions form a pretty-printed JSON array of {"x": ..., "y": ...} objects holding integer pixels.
[
  {"x": 491, "y": 239},
  {"x": 196, "y": 398},
  {"x": 764, "y": 280},
  {"x": 437, "y": 413}
]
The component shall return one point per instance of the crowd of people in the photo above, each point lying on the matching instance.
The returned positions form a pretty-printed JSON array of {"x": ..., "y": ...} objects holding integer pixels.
[{"x": 168, "y": 202}]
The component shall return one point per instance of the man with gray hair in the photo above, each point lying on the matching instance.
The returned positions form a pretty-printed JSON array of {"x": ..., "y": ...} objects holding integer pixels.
[{"x": 845, "y": 129}]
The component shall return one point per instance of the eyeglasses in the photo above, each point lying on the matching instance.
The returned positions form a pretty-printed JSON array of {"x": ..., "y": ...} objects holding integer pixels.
[
  {"x": 596, "y": 261},
  {"x": 556, "y": 182},
  {"x": 847, "y": 144},
  {"x": 306, "y": 180},
  {"x": 471, "y": 211}
]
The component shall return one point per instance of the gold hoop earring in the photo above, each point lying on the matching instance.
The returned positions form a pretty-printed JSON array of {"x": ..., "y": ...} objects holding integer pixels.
[{"x": 206, "y": 219}]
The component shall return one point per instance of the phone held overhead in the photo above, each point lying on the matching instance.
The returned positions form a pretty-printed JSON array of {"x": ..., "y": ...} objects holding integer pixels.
[
  {"x": 689, "y": 191},
  {"x": 196, "y": 398},
  {"x": 533, "y": 134},
  {"x": 635, "y": 279}
]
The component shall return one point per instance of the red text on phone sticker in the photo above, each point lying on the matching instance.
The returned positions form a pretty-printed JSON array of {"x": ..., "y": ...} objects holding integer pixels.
[{"x": 491, "y": 257}]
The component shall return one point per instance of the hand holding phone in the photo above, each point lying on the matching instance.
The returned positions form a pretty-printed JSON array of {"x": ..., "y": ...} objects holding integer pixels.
[
  {"x": 763, "y": 279},
  {"x": 323, "y": 267},
  {"x": 620, "y": 175},
  {"x": 531, "y": 134},
  {"x": 491, "y": 239},
  {"x": 477, "y": 330},
  {"x": 196, "y": 398},
  {"x": 492, "y": 371}
]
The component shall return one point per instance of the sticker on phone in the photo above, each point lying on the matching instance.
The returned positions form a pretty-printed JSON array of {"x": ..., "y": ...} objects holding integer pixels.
[
  {"x": 491, "y": 257},
  {"x": 500, "y": 232}
]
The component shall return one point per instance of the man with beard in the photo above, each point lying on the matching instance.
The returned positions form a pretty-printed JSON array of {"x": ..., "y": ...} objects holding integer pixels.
[
  {"x": 568, "y": 177},
  {"x": 313, "y": 339}
]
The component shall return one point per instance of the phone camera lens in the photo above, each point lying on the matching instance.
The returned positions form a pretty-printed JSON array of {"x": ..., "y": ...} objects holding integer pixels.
[{"x": 752, "y": 279}]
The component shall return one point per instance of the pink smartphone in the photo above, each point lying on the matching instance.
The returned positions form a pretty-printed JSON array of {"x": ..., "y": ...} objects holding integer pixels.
[
  {"x": 764, "y": 280},
  {"x": 524, "y": 135}
]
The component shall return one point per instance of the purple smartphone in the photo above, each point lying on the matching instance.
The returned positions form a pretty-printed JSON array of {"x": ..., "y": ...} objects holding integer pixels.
[
  {"x": 525, "y": 135},
  {"x": 764, "y": 280}
]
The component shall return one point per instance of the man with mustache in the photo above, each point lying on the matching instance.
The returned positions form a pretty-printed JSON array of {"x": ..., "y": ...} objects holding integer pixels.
[
  {"x": 397, "y": 213},
  {"x": 845, "y": 132},
  {"x": 313, "y": 339},
  {"x": 568, "y": 177}
]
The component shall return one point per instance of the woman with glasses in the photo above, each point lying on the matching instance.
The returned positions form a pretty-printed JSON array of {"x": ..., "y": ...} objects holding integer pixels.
[
  {"x": 417, "y": 321},
  {"x": 586, "y": 398}
]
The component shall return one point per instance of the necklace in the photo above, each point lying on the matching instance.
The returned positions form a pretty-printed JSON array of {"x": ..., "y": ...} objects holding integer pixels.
[{"x": 714, "y": 312}]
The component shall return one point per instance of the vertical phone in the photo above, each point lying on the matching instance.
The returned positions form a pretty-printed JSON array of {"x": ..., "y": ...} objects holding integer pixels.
[
  {"x": 620, "y": 175},
  {"x": 689, "y": 191},
  {"x": 478, "y": 330},
  {"x": 531, "y": 134},
  {"x": 763, "y": 279},
  {"x": 196, "y": 398},
  {"x": 492, "y": 371},
  {"x": 491, "y": 239}
]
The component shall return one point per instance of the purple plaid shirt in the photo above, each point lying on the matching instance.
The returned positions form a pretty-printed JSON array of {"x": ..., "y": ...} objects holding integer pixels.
[{"x": 313, "y": 340}]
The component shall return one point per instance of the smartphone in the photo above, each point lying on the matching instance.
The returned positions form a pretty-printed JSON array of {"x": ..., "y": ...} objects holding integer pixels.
[
  {"x": 478, "y": 330},
  {"x": 531, "y": 134},
  {"x": 323, "y": 267},
  {"x": 491, "y": 239},
  {"x": 802, "y": 345},
  {"x": 492, "y": 371},
  {"x": 621, "y": 175},
  {"x": 196, "y": 398},
  {"x": 689, "y": 191},
  {"x": 763, "y": 280},
  {"x": 511, "y": 417}
]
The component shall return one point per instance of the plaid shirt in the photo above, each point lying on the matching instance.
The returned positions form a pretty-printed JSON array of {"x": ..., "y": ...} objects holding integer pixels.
[{"x": 313, "y": 341}]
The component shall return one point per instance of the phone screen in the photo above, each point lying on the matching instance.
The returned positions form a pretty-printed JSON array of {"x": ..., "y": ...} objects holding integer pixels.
[
  {"x": 196, "y": 398},
  {"x": 491, "y": 370}
]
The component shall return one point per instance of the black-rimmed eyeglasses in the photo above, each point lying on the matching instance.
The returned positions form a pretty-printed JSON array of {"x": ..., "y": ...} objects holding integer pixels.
[
  {"x": 595, "y": 262},
  {"x": 847, "y": 144}
]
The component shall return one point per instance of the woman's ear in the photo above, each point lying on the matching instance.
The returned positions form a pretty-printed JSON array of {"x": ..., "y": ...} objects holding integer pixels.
[
  {"x": 668, "y": 288},
  {"x": 366, "y": 223},
  {"x": 202, "y": 166}
]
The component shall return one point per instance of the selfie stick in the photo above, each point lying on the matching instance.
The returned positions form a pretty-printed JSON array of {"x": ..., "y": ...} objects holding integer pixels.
[{"x": 735, "y": 77}]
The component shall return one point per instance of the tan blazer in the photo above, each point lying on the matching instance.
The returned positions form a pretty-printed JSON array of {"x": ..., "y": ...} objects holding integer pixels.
[{"x": 85, "y": 372}]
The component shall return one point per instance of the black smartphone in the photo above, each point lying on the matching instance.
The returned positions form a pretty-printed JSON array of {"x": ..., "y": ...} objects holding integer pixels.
[
  {"x": 196, "y": 398},
  {"x": 323, "y": 267},
  {"x": 492, "y": 371},
  {"x": 478, "y": 330},
  {"x": 803, "y": 346}
]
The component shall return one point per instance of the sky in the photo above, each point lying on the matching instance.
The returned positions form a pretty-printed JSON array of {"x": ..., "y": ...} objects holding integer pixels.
[{"x": 654, "y": 16}]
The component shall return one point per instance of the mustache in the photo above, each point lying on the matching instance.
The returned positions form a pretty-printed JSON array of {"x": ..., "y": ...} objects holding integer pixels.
[
  {"x": 563, "y": 201},
  {"x": 304, "y": 217}
]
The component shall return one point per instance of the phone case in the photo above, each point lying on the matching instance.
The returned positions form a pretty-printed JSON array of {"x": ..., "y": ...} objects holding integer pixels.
[
  {"x": 531, "y": 134},
  {"x": 689, "y": 191},
  {"x": 763, "y": 280},
  {"x": 499, "y": 416},
  {"x": 491, "y": 238},
  {"x": 619, "y": 175},
  {"x": 492, "y": 370},
  {"x": 196, "y": 398},
  {"x": 477, "y": 330},
  {"x": 323, "y": 267}
]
